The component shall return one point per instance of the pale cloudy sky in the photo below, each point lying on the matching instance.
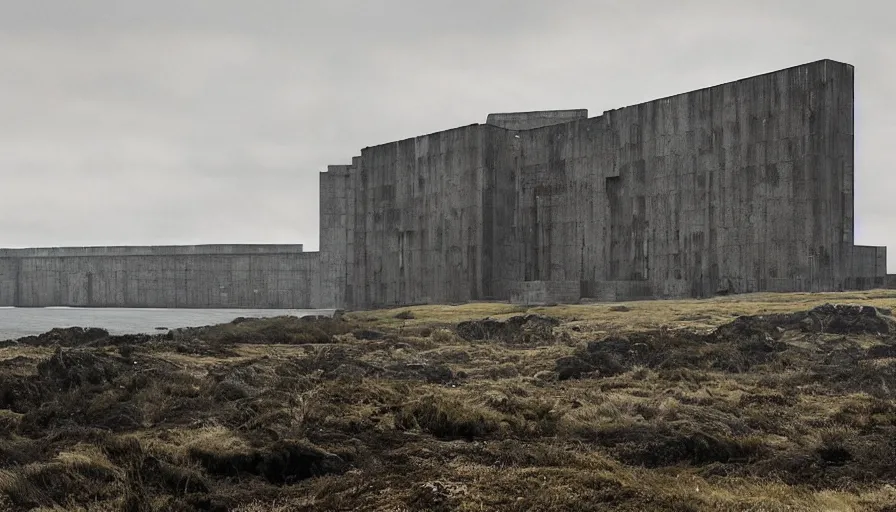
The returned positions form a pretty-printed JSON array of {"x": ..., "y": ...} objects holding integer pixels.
[{"x": 208, "y": 121}]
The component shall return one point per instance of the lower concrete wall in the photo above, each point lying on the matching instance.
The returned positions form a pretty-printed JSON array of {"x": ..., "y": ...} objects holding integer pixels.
[
  {"x": 256, "y": 276},
  {"x": 545, "y": 292},
  {"x": 612, "y": 291},
  {"x": 868, "y": 268},
  {"x": 890, "y": 282}
]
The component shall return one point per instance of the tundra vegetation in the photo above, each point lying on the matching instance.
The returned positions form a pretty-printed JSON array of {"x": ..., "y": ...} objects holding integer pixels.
[{"x": 759, "y": 402}]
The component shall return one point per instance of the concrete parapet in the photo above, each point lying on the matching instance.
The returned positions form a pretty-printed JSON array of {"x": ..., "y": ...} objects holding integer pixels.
[{"x": 537, "y": 119}]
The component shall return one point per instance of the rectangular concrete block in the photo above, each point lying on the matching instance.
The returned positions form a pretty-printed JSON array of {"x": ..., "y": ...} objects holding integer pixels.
[{"x": 271, "y": 276}]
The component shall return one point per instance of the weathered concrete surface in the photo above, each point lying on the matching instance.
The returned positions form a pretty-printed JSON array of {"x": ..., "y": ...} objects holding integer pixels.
[
  {"x": 151, "y": 250},
  {"x": 211, "y": 276},
  {"x": 531, "y": 293},
  {"x": 891, "y": 281},
  {"x": 742, "y": 187},
  {"x": 336, "y": 236},
  {"x": 737, "y": 188}
]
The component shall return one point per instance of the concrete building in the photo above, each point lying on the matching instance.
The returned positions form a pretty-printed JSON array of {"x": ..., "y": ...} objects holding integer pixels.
[{"x": 742, "y": 187}]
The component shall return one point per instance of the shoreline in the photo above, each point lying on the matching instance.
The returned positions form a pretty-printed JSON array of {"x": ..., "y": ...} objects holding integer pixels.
[{"x": 19, "y": 322}]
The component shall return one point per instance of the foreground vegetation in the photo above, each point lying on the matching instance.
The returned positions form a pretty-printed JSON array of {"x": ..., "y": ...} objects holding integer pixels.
[{"x": 760, "y": 402}]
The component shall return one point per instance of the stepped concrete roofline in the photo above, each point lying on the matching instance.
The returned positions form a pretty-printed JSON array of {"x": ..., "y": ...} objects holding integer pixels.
[
  {"x": 535, "y": 119},
  {"x": 532, "y": 120},
  {"x": 806, "y": 66}
]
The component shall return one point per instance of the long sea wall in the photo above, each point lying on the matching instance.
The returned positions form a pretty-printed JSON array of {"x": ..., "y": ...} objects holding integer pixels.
[{"x": 198, "y": 276}]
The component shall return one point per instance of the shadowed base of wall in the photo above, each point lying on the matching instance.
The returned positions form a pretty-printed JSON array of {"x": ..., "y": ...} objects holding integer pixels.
[{"x": 540, "y": 293}]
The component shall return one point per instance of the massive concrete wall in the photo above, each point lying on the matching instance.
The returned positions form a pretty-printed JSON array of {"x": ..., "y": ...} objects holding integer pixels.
[
  {"x": 742, "y": 187},
  {"x": 403, "y": 223},
  {"x": 210, "y": 276}
]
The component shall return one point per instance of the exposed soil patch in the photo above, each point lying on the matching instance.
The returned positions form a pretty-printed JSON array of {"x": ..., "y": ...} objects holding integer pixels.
[
  {"x": 281, "y": 463},
  {"x": 695, "y": 449},
  {"x": 517, "y": 330}
]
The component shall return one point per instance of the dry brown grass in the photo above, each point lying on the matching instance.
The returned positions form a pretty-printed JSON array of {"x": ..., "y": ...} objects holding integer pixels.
[
  {"x": 385, "y": 413},
  {"x": 642, "y": 315}
]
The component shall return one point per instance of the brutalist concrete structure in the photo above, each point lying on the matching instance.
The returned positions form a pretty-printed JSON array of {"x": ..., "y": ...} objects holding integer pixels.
[
  {"x": 742, "y": 187},
  {"x": 198, "y": 276}
]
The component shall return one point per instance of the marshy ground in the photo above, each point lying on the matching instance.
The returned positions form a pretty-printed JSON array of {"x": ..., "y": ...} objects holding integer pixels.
[{"x": 757, "y": 402}]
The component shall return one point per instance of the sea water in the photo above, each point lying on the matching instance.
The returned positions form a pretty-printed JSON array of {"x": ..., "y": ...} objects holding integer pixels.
[{"x": 18, "y": 322}]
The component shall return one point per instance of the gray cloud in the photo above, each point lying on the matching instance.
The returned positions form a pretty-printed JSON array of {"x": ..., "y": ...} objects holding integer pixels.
[{"x": 190, "y": 121}]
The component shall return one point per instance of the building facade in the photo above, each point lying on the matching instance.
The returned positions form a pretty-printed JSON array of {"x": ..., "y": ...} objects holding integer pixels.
[{"x": 742, "y": 187}]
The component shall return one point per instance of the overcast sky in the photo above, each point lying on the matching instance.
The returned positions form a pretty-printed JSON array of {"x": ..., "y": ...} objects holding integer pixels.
[{"x": 191, "y": 121}]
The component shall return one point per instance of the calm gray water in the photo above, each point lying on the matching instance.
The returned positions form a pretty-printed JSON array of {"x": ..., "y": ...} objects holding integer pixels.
[{"x": 18, "y": 322}]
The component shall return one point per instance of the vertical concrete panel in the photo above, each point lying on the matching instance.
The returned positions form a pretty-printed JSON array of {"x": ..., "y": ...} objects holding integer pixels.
[
  {"x": 415, "y": 228},
  {"x": 9, "y": 279},
  {"x": 335, "y": 220}
]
